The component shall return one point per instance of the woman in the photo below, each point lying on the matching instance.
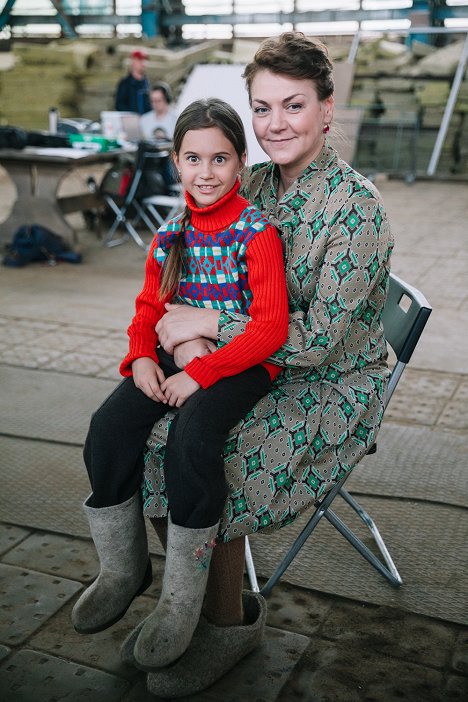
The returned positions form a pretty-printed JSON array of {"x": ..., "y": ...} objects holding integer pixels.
[{"x": 325, "y": 408}]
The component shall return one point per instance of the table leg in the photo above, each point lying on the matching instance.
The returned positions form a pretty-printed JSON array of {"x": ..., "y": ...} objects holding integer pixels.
[{"x": 36, "y": 202}]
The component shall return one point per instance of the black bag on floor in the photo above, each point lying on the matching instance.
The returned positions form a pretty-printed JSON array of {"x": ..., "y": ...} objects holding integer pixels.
[{"x": 36, "y": 243}]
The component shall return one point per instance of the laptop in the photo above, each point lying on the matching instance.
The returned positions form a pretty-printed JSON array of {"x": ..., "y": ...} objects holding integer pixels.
[
  {"x": 131, "y": 126},
  {"x": 121, "y": 125}
]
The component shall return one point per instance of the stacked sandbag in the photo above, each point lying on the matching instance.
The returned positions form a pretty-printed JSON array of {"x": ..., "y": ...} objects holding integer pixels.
[
  {"x": 79, "y": 78},
  {"x": 40, "y": 77},
  {"x": 403, "y": 91}
]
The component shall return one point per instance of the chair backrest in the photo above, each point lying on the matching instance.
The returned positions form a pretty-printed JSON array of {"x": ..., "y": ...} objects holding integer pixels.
[
  {"x": 404, "y": 318},
  {"x": 152, "y": 172}
]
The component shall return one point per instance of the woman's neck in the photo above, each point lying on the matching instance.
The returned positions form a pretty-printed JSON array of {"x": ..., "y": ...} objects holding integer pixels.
[{"x": 288, "y": 174}]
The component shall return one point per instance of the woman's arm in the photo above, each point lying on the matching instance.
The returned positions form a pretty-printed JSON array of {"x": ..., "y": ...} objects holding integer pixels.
[{"x": 182, "y": 323}]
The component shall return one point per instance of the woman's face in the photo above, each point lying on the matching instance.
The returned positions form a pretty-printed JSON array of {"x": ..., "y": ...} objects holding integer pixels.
[{"x": 288, "y": 119}]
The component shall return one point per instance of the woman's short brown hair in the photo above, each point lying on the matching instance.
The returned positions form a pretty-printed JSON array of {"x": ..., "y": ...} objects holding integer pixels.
[{"x": 295, "y": 55}]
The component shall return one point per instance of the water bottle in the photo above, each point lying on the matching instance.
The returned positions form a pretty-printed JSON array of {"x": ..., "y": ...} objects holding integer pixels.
[{"x": 53, "y": 120}]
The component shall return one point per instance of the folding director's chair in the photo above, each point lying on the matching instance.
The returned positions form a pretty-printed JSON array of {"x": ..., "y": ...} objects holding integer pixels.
[
  {"x": 149, "y": 196},
  {"x": 405, "y": 315}
]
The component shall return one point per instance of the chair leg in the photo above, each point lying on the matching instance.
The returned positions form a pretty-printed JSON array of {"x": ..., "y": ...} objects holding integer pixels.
[
  {"x": 142, "y": 215},
  {"x": 121, "y": 218},
  {"x": 323, "y": 510},
  {"x": 250, "y": 567},
  {"x": 390, "y": 572}
]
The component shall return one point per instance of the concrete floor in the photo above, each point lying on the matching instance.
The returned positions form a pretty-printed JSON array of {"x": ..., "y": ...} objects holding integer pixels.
[{"x": 63, "y": 333}]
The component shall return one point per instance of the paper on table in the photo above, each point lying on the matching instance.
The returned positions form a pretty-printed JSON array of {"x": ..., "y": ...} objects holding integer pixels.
[{"x": 63, "y": 151}]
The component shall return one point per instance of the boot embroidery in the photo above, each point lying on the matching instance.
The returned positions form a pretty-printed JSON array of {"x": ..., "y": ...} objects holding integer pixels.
[{"x": 202, "y": 554}]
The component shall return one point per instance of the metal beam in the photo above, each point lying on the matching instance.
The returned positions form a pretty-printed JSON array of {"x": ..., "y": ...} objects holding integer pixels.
[
  {"x": 444, "y": 125},
  {"x": 64, "y": 20},
  {"x": 178, "y": 19},
  {"x": 291, "y": 17},
  {"x": 150, "y": 12},
  {"x": 5, "y": 13}
]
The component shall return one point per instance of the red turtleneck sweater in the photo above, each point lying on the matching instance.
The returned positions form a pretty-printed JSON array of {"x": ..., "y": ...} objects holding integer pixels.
[{"x": 230, "y": 235}]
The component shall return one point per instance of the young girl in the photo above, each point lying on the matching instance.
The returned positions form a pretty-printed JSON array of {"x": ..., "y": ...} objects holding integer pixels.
[{"x": 224, "y": 256}]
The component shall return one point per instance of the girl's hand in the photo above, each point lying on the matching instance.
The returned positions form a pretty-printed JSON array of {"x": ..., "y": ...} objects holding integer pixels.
[
  {"x": 183, "y": 323},
  {"x": 177, "y": 388},
  {"x": 188, "y": 350},
  {"x": 148, "y": 377}
]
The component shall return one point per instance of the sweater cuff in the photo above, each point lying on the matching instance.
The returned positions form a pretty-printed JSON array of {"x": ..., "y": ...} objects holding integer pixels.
[
  {"x": 204, "y": 376},
  {"x": 126, "y": 365}
]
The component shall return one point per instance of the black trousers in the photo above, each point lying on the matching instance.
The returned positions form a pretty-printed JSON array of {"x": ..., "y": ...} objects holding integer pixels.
[{"x": 194, "y": 463}]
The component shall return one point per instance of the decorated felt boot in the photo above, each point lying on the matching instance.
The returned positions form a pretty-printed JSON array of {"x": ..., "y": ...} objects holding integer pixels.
[
  {"x": 167, "y": 632},
  {"x": 119, "y": 535}
]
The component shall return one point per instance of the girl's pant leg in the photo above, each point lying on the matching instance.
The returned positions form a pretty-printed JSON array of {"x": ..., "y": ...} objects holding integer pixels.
[
  {"x": 113, "y": 451},
  {"x": 194, "y": 461}
]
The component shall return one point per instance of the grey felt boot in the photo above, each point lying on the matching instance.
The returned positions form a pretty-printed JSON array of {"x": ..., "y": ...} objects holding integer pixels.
[
  {"x": 212, "y": 652},
  {"x": 119, "y": 535},
  {"x": 166, "y": 633}
]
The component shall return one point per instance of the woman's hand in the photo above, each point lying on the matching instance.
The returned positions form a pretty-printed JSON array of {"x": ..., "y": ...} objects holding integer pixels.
[
  {"x": 148, "y": 377},
  {"x": 188, "y": 350},
  {"x": 183, "y": 323},
  {"x": 177, "y": 388}
]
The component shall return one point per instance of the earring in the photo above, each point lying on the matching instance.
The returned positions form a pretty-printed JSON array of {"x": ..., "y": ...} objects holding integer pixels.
[{"x": 326, "y": 128}]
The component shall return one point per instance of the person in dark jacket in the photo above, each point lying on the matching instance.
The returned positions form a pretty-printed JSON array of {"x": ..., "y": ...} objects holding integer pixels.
[{"x": 133, "y": 91}]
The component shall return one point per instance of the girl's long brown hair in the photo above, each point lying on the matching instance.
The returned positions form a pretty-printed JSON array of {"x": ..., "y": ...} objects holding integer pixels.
[{"x": 201, "y": 114}]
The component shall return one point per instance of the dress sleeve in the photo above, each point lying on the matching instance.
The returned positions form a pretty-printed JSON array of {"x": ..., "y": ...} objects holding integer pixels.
[
  {"x": 266, "y": 327},
  {"x": 357, "y": 250},
  {"x": 148, "y": 311}
]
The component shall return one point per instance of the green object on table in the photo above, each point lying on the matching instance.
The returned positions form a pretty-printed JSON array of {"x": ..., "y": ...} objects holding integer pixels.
[{"x": 93, "y": 142}]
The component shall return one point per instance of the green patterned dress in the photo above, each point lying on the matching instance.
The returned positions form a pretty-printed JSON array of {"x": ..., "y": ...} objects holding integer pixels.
[{"x": 325, "y": 408}]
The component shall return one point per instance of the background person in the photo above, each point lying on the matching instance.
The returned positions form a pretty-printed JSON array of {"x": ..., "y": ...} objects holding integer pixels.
[
  {"x": 160, "y": 122},
  {"x": 133, "y": 91},
  {"x": 221, "y": 253},
  {"x": 325, "y": 408}
]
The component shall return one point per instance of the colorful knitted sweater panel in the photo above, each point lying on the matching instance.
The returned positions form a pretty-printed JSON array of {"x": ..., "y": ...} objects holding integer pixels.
[{"x": 232, "y": 262}]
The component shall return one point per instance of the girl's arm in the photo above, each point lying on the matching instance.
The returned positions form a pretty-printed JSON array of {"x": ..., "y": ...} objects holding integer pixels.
[
  {"x": 267, "y": 327},
  {"x": 148, "y": 310}
]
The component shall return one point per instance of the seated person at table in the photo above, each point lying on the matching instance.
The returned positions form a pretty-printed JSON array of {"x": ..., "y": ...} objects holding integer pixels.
[{"x": 160, "y": 122}]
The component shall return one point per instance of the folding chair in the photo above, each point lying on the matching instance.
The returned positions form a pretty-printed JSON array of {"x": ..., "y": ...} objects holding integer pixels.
[
  {"x": 149, "y": 196},
  {"x": 405, "y": 315}
]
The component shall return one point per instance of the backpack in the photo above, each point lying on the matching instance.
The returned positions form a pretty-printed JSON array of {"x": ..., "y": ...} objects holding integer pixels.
[
  {"x": 13, "y": 138},
  {"x": 36, "y": 243}
]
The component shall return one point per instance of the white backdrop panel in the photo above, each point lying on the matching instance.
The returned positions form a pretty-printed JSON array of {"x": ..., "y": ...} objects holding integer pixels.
[{"x": 224, "y": 82}]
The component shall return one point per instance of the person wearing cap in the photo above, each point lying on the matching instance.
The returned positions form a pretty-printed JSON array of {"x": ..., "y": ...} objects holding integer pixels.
[{"x": 133, "y": 91}]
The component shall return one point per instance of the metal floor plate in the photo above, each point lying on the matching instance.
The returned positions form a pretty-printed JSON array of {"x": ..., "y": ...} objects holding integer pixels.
[{"x": 46, "y": 484}]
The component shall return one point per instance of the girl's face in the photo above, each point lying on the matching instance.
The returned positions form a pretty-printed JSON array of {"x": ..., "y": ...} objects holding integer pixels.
[
  {"x": 208, "y": 165},
  {"x": 288, "y": 119}
]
